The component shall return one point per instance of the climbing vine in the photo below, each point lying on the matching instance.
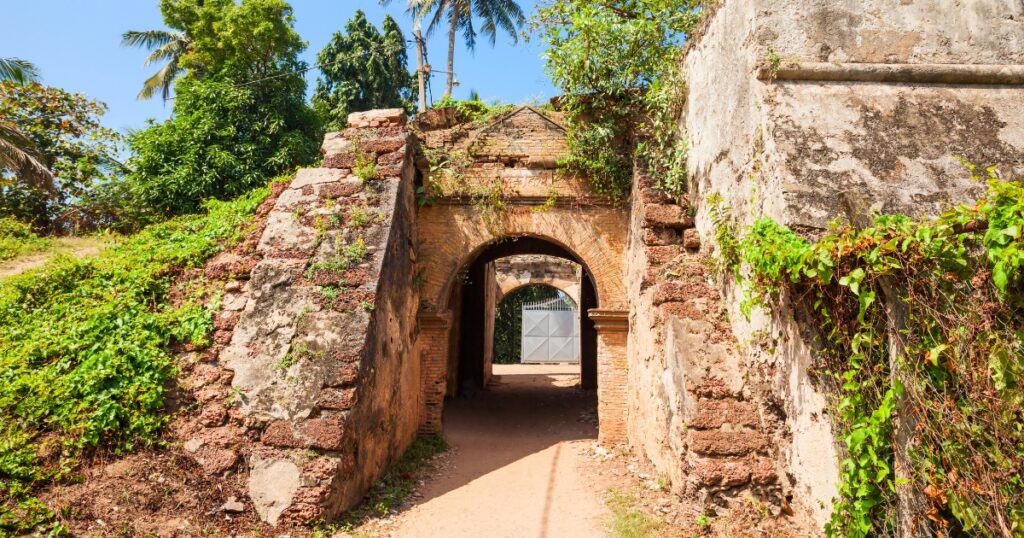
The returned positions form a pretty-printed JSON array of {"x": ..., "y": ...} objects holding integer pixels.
[{"x": 922, "y": 351}]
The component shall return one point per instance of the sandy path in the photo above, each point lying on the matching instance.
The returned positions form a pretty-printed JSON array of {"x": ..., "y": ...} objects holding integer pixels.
[{"x": 515, "y": 467}]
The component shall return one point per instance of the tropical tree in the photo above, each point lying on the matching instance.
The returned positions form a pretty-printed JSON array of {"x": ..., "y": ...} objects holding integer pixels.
[
  {"x": 166, "y": 46},
  {"x": 17, "y": 70},
  {"x": 16, "y": 150},
  {"x": 64, "y": 131},
  {"x": 240, "y": 115},
  {"x": 363, "y": 69},
  {"x": 459, "y": 14}
]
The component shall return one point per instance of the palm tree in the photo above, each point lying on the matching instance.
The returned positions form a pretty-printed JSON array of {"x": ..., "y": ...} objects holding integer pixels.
[
  {"x": 166, "y": 45},
  {"x": 504, "y": 14},
  {"x": 17, "y": 70},
  {"x": 17, "y": 153}
]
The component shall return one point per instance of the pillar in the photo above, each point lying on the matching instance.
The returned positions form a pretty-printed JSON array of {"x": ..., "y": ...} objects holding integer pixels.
[
  {"x": 432, "y": 346},
  {"x": 612, "y": 328}
]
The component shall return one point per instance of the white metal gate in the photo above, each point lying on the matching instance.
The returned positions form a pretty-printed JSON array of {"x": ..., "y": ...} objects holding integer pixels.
[{"x": 551, "y": 332}]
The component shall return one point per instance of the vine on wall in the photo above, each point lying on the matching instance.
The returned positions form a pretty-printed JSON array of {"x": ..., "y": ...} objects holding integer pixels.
[{"x": 922, "y": 351}]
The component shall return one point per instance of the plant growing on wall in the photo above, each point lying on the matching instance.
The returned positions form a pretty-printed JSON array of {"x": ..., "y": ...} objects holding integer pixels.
[
  {"x": 921, "y": 321},
  {"x": 617, "y": 64}
]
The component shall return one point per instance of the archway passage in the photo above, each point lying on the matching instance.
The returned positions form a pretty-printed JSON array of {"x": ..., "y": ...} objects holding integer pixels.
[
  {"x": 541, "y": 212},
  {"x": 474, "y": 304}
]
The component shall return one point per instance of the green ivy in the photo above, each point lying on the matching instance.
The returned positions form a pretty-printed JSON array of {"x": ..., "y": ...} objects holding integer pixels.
[
  {"x": 952, "y": 362},
  {"x": 84, "y": 361}
]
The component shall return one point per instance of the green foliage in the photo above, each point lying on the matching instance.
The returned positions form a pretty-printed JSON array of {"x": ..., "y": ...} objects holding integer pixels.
[
  {"x": 473, "y": 110},
  {"x": 363, "y": 69},
  {"x": 239, "y": 114},
  {"x": 508, "y": 321},
  {"x": 617, "y": 66},
  {"x": 84, "y": 362},
  {"x": 17, "y": 238},
  {"x": 64, "y": 131},
  {"x": 365, "y": 166},
  {"x": 952, "y": 289}
]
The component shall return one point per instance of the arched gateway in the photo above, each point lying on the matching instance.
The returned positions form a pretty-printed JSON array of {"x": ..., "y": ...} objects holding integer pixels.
[{"x": 540, "y": 212}]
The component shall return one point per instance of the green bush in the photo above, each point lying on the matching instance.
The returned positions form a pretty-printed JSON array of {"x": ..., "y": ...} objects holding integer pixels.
[
  {"x": 17, "y": 238},
  {"x": 84, "y": 361}
]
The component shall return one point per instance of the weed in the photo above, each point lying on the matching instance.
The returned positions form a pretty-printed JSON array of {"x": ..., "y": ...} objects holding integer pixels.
[{"x": 628, "y": 521}]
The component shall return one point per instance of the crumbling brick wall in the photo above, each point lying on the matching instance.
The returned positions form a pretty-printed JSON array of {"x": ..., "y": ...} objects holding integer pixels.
[{"x": 314, "y": 381}]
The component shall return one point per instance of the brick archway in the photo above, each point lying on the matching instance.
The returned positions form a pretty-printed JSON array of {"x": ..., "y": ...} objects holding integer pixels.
[{"x": 559, "y": 216}]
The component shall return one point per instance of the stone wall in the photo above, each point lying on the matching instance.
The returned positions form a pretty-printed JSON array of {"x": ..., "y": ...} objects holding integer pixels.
[
  {"x": 867, "y": 110},
  {"x": 317, "y": 344},
  {"x": 693, "y": 411}
]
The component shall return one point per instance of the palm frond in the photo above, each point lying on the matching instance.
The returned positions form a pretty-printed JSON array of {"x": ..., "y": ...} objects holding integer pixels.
[
  {"x": 149, "y": 39},
  {"x": 18, "y": 70},
  {"x": 17, "y": 155}
]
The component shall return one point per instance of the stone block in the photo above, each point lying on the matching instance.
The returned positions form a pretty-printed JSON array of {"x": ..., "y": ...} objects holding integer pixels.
[
  {"x": 323, "y": 434},
  {"x": 314, "y": 176},
  {"x": 341, "y": 189},
  {"x": 726, "y": 443},
  {"x": 660, "y": 255},
  {"x": 387, "y": 117},
  {"x": 382, "y": 145},
  {"x": 656, "y": 237},
  {"x": 339, "y": 161},
  {"x": 215, "y": 461},
  {"x": 691, "y": 239},
  {"x": 717, "y": 413},
  {"x": 668, "y": 216},
  {"x": 339, "y": 399}
]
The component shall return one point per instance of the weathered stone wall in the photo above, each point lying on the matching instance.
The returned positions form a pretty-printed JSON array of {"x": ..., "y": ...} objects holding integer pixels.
[
  {"x": 868, "y": 106},
  {"x": 692, "y": 409},
  {"x": 317, "y": 345}
]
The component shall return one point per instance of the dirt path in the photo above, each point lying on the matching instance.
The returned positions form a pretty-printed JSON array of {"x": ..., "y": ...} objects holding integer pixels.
[
  {"x": 77, "y": 247},
  {"x": 515, "y": 465}
]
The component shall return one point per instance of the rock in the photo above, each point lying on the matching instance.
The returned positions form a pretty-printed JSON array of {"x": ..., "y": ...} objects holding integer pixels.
[
  {"x": 722, "y": 443},
  {"x": 377, "y": 118},
  {"x": 193, "y": 445},
  {"x": 233, "y": 505},
  {"x": 691, "y": 239},
  {"x": 216, "y": 461},
  {"x": 272, "y": 485}
]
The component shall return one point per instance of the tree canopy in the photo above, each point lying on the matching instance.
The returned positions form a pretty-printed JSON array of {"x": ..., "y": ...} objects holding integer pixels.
[
  {"x": 240, "y": 114},
  {"x": 362, "y": 69},
  {"x": 64, "y": 131}
]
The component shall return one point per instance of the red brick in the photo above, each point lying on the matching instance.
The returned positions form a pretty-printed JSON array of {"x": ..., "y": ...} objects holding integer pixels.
[
  {"x": 667, "y": 215},
  {"x": 332, "y": 398},
  {"x": 717, "y": 413},
  {"x": 719, "y": 443}
]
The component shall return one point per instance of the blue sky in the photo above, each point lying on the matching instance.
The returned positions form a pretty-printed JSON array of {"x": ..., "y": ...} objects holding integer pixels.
[{"x": 76, "y": 45}]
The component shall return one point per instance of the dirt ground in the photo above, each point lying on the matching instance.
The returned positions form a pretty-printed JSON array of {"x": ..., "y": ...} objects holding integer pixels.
[{"x": 77, "y": 247}]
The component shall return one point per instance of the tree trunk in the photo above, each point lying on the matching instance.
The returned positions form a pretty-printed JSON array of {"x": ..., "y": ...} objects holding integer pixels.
[{"x": 454, "y": 20}]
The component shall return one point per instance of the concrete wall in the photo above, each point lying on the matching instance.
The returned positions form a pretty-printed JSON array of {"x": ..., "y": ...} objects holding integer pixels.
[{"x": 831, "y": 134}]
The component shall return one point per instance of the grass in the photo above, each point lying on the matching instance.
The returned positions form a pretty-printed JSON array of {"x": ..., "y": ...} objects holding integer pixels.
[
  {"x": 18, "y": 239},
  {"x": 388, "y": 493},
  {"x": 628, "y": 521},
  {"x": 84, "y": 352}
]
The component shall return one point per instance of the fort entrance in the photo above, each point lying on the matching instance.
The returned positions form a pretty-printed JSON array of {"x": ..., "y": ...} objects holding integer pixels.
[{"x": 462, "y": 229}]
